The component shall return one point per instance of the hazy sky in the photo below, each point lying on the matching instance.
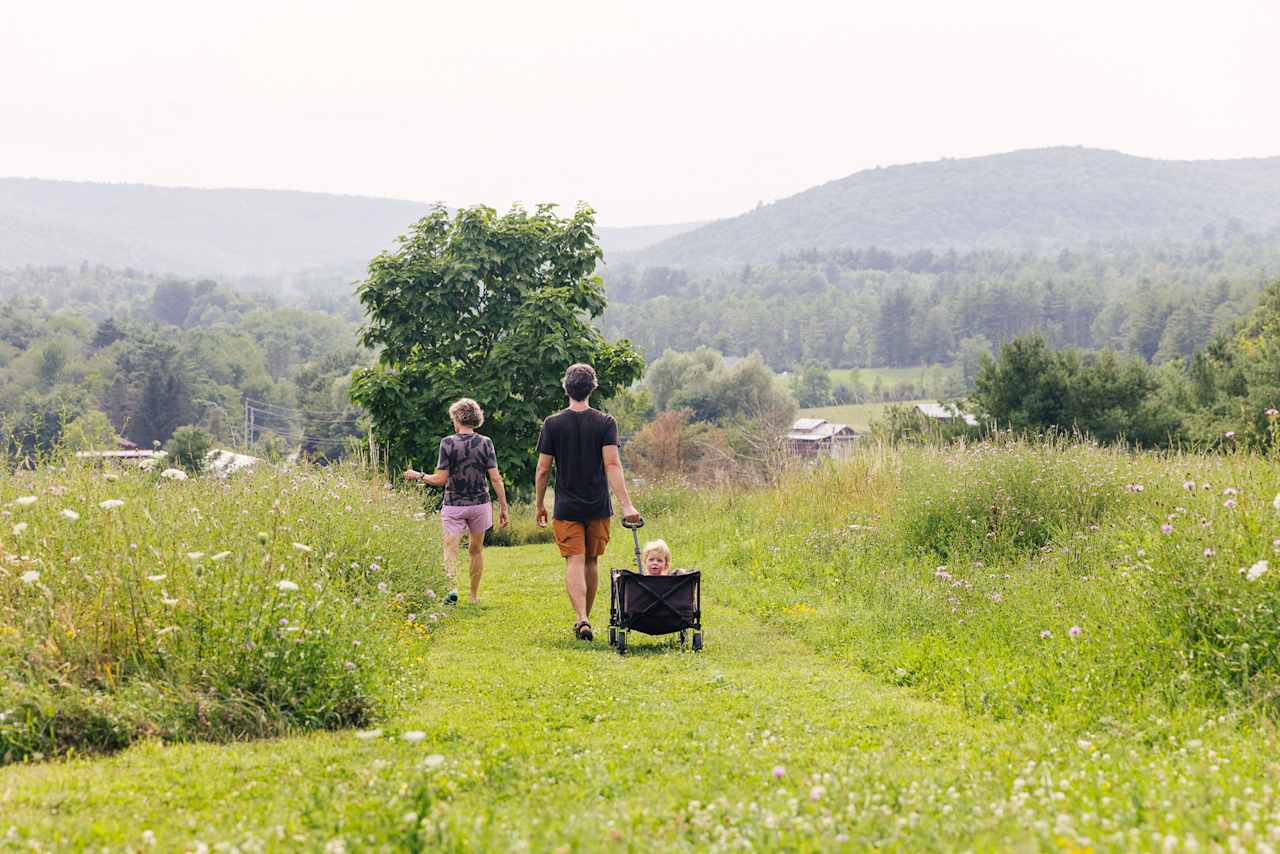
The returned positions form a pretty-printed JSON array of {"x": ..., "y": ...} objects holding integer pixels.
[{"x": 652, "y": 111}]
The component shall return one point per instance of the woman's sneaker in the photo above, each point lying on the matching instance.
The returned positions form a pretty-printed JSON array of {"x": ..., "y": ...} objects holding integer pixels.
[{"x": 451, "y": 598}]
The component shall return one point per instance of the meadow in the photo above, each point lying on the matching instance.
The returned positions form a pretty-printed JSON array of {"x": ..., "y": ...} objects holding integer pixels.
[
  {"x": 859, "y": 416},
  {"x": 1003, "y": 646}
]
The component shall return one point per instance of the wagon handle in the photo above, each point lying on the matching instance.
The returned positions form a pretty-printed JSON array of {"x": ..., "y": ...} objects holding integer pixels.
[{"x": 635, "y": 527}]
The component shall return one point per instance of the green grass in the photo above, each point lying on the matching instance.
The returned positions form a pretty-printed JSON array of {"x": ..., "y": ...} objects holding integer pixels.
[
  {"x": 854, "y": 640},
  {"x": 890, "y": 377},
  {"x": 859, "y": 416}
]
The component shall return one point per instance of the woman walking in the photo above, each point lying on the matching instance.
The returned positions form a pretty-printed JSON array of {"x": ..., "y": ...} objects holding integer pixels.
[{"x": 467, "y": 464}]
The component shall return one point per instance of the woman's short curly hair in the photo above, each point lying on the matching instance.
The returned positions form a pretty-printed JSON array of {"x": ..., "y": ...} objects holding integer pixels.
[{"x": 467, "y": 413}]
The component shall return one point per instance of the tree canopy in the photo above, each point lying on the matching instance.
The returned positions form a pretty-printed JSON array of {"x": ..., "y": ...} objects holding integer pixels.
[{"x": 489, "y": 307}]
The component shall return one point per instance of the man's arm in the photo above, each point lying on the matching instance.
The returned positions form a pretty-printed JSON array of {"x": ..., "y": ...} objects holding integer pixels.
[
  {"x": 540, "y": 481},
  {"x": 501, "y": 491},
  {"x": 613, "y": 471},
  {"x": 440, "y": 478}
]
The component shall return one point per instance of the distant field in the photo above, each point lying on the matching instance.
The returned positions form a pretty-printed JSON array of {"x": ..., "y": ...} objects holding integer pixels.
[
  {"x": 857, "y": 415},
  {"x": 890, "y": 376}
]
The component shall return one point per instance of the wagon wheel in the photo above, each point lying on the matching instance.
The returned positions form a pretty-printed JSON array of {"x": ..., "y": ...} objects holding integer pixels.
[
  {"x": 622, "y": 643},
  {"x": 697, "y": 641},
  {"x": 613, "y": 636},
  {"x": 684, "y": 637}
]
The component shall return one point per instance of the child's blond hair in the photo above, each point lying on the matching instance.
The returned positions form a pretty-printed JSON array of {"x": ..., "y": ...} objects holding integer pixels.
[{"x": 659, "y": 546}]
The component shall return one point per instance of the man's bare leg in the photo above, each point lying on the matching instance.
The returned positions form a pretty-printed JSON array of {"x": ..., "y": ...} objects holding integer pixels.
[
  {"x": 591, "y": 575},
  {"x": 575, "y": 584},
  {"x": 475, "y": 549}
]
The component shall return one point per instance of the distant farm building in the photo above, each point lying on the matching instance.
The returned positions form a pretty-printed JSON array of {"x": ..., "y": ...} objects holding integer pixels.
[
  {"x": 945, "y": 412},
  {"x": 811, "y": 437}
]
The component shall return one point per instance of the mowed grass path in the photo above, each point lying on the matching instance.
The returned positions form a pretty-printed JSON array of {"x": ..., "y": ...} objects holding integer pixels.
[{"x": 532, "y": 740}]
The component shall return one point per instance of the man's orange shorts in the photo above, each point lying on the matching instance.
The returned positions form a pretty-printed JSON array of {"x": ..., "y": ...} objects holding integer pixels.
[{"x": 581, "y": 538}]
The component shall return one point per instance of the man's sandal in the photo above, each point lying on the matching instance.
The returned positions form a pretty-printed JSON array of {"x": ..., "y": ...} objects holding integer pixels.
[{"x": 582, "y": 630}]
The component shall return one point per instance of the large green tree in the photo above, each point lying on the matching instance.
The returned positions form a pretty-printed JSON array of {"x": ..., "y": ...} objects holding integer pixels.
[{"x": 489, "y": 307}]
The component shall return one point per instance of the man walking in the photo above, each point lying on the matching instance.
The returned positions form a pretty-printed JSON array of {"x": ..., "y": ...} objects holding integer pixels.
[{"x": 583, "y": 444}]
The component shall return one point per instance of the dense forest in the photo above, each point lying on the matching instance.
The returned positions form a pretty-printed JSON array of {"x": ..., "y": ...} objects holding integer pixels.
[
  {"x": 1038, "y": 200},
  {"x": 94, "y": 351},
  {"x": 873, "y": 307}
]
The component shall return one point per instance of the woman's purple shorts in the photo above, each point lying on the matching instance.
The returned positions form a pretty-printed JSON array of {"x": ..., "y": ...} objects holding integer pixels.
[{"x": 476, "y": 518}]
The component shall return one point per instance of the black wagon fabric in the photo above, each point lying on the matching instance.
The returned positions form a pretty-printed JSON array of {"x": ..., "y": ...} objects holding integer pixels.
[
  {"x": 468, "y": 458},
  {"x": 576, "y": 440},
  {"x": 658, "y": 604}
]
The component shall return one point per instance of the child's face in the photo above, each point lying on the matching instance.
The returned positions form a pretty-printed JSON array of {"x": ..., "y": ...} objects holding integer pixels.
[{"x": 655, "y": 563}]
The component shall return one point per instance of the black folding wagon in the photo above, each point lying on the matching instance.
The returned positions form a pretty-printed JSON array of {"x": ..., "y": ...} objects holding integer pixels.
[{"x": 653, "y": 604}]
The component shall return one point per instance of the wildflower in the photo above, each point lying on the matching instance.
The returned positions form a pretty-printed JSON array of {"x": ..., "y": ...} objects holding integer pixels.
[
  {"x": 779, "y": 772},
  {"x": 1085, "y": 745},
  {"x": 413, "y": 736},
  {"x": 156, "y": 578},
  {"x": 382, "y": 587},
  {"x": 167, "y": 600},
  {"x": 1166, "y": 528},
  {"x": 1134, "y": 487},
  {"x": 173, "y": 474},
  {"x": 195, "y": 555},
  {"x": 29, "y": 577},
  {"x": 1208, "y": 552},
  {"x": 941, "y": 572},
  {"x": 816, "y": 793},
  {"x": 367, "y": 734},
  {"x": 349, "y": 665},
  {"x": 1275, "y": 502},
  {"x": 1075, "y": 631},
  {"x": 1253, "y": 573},
  {"x": 69, "y": 515},
  {"x": 302, "y": 547},
  {"x": 1188, "y": 484},
  {"x": 220, "y": 556},
  {"x": 1230, "y": 504},
  {"x": 25, "y": 501},
  {"x": 1272, "y": 412},
  {"x": 1045, "y": 634},
  {"x": 997, "y": 597},
  {"x": 111, "y": 504},
  {"x": 1230, "y": 434},
  {"x": 284, "y": 621},
  {"x": 1230, "y": 490},
  {"x": 286, "y": 585},
  {"x": 431, "y": 594},
  {"x": 19, "y": 528},
  {"x": 166, "y": 630}
]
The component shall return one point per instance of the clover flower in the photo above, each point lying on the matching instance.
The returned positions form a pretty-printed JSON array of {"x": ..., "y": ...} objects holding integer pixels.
[
  {"x": 1230, "y": 504},
  {"x": 1253, "y": 573},
  {"x": 779, "y": 772},
  {"x": 25, "y": 500},
  {"x": 1075, "y": 631},
  {"x": 70, "y": 515},
  {"x": 29, "y": 577},
  {"x": 1188, "y": 484},
  {"x": 286, "y": 585},
  {"x": 111, "y": 504},
  {"x": 1045, "y": 634},
  {"x": 1166, "y": 528}
]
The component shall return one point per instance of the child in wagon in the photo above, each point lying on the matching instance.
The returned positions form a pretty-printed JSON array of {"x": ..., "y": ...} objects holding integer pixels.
[{"x": 656, "y": 558}]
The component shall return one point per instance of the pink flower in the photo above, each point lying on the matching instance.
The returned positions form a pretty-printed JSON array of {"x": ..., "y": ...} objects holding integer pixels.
[
  {"x": 1166, "y": 528},
  {"x": 1230, "y": 490},
  {"x": 1230, "y": 434},
  {"x": 816, "y": 793},
  {"x": 1188, "y": 484},
  {"x": 1045, "y": 634},
  {"x": 1230, "y": 504},
  {"x": 1075, "y": 631},
  {"x": 779, "y": 772},
  {"x": 1208, "y": 552}
]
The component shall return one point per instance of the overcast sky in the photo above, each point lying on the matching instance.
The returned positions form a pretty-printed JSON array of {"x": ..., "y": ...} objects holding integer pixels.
[{"x": 652, "y": 111}]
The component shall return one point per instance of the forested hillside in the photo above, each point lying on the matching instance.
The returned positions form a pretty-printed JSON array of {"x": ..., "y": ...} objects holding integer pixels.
[
  {"x": 871, "y": 307},
  {"x": 215, "y": 232},
  {"x": 1038, "y": 200}
]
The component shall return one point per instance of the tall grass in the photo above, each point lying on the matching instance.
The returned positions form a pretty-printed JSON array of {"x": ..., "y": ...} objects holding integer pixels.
[
  {"x": 135, "y": 606},
  {"x": 1017, "y": 578}
]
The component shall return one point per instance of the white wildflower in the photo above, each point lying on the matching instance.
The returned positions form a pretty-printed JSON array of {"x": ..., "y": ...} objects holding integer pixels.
[
  {"x": 173, "y": 474},
  {"x": 168, "y": 600},
  {"x": 414, "y": 736},
  {"x": 111, "y": 504},
  {"x": 29, "y": 577},
  {"x": 285, "y": 584},
  {"x": 166, "y": 630},
  {"x": 195, "y": 555},
  {"x": 435, "y": 760},
  {"x": 1275, "y": 502},
  {"x": 302, "y": 547},
  {"x": 368, "y": 734},
  {"x": 70, "y": 515},
  {"x": 1253, "y": 573},
  {"x": 19, "y": 529},
  {"x": 156, "y": 578},
  {"x": 220, "y": 556},
  {"x": 25, "y": 501}
]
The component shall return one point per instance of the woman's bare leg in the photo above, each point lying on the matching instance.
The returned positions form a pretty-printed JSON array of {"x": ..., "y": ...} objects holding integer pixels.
[
  {"x": 475, "y": 548},
  {"x": 451, "y": 544}
]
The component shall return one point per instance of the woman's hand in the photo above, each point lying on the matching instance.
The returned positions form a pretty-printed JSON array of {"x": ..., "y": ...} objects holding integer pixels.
[
  {"x": 410, "y": 474},
  {"x": 503, "y": 516}
]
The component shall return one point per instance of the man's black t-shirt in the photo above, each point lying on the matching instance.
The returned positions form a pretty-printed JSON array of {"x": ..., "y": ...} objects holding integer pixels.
[{"x": 576, "y": 440}]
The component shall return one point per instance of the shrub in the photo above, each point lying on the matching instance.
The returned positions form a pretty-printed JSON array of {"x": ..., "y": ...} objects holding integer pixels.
[{"x": 188, "y": 446}]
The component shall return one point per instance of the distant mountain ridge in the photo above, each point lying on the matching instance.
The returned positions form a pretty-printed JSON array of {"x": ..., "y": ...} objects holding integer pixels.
[
  {"x": 229, "y": 232},
  {"x": 1036, "y": 199}
]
